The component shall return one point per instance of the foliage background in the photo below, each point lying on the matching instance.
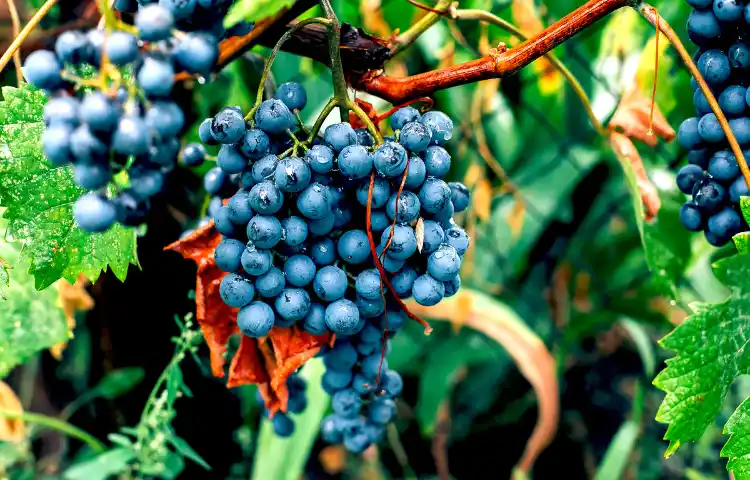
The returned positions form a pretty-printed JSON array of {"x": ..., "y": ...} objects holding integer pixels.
[{"x": 561, "y": 253}]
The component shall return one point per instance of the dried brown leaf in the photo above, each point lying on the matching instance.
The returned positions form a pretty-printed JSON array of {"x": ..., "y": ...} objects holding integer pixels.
[
  {"x": 627, "y": 152},
  {"x": 632, "y": 119},
  {"x": 71, "y": 298}
]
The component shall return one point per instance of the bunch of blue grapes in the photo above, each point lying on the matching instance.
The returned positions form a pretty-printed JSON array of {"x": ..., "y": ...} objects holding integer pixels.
[
  {"x": 123, "y": 118},
  {"x": 296, "y": 249},
  {"x": 712, "y": 177}
]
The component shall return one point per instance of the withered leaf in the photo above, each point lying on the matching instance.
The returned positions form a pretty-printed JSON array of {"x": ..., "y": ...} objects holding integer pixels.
[
  {"x": 71, "y": 298},
  {"x": 632, "y": 119},
  {"x": 626, "y": 152},
  {"x": 266, "y": 362},
  {"x": 11, "y": 429}
]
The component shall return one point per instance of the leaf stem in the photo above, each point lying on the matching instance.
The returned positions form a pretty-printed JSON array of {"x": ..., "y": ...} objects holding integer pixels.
[
  {"x": 484, "y": 16},
  {"x": 276, "y": 49},
  {"x": 38, "y": 16},
  {"x": 337, "y": 68},
  {"x": 368, "y": 123},
  {"x": 650, "y": 14},
  {"x": 59, "y": 425},
  {"x": 408, "y": 37}
]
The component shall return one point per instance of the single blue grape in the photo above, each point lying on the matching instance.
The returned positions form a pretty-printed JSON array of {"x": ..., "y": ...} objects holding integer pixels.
[
  {"x": 193, "y": 155},
  {"x": 732, "y": 101},
  {"x": 146, "y": 182},
  {"x": 228, "y": 126},
  {"x": 441, "y": 126},
  {"x": 390, "y": 159},
  {"x": 204, "y": 132},
  {"x": 445, "y": 216},
  {"x": 228, "y": 255},
  {"x": 274, "y": 117},
  {"x": 403, "y": 281},
  {"x": 341, "y": 357},
  {"x": 723, "y": 167},
  {"x": 709, "y": 196},
  {"x": 292, "y": 94},
  {"x": 460, "y": 196},
  {"x": 392, "y": 384},
  {"x": 214, "y": 180},
  {"x": 315, "y": 320},
  {"x": 99, "y": 112},
  {"x": 406, "y": 209},
  {"x": 691, "y": 217},
  {"x": 264, "y": 231},
  {"x": 295, "y": 230},
  {"x": 402, "y": 116},
  {"x": 131, "y": 136},
  {"x": 264, "y": 168},
  {"x": 283, "y": 426},
  {"x": 415, "y": 137},
  {"x": 331, "y": 430},
  {"x": 416, "y": 173},
  {"x": 256, "y": 320},
  {"x": 61, "y": 110},
  {"x": 353, "y": 247},
  {"x": 131, "y": 209},
  {"x": 230, "y": 159},
  {"x": 72, "y": 47},
  {"x": 364, "y": 138},
  {"x": 154, "y": 22},
  {"x": 382, "y": 411},
  {"x": 402, "y": 245},
  {"x": 94, "y": 213},
  {"x": 381, "y": 191},
  {"x": 444, "y": 263},
  {"x": 368, "y": 284},
  {"x": 428, "y": 291},
  {"x": 255, "y": 144},
  {"x": 458, "y": 239},
  {"x": 362, "y": 385},
  {"x": 379, "y": 221},
  {"x": 223, "y": 224},
  {"x": 236, "y": 290},
  {"x": 299, "y": 270},
  {"x": 314, "y": 202},
  {"x": 165, "y": 118},
  {"x": 42, "y": 70},
  {"x": 372, "y": 365},
  {"x": 452, "y": 286},
  {"x": 266, "y": 198},
  {"x": 339, "y": 136},
  {"x": 322, "y": 226},
  {"x": 293, "y": 304},
  {"x": 197, "y": 53},
  {"x": 437, "y": 161},
  {"x": 370, "y": 308},
  {"x": 330, "y": 283},
  {"x": 121, "y": 48},
  {"x": 356, "y": 438},
  {"x": 56, "y": 144},
  {"x": 297, "y": 403},
  {"x": 334, "y": 380},
  {"x": 703, "y": 27},
  {"x": 434, "y": 236},
  {"x": 342, "y": 217},
  {"x": 689, "y": 175},
  {"x": 320, "y": 158},
  {"x": 700, "y": 101},
  {"x": 369, "y": 335},
  {"x": 292, "y": 175},
  {"x": 86, "y": 147},
  {"x": 728, "y": 10},
  {"x": 271, "y": 283},
  {"x": 714, "y": 66},
  {"x": 741, "y": 129},
  {"x": 342, "y": 317},
  {"x": 156, "y": 77},
  {"x": 687, "y": 135},
  {"x": 739, "y": 56},
  {"x": 347, "y": 403},
  {"x": 323, "y": 252},
  {"x": 239, "y": 208},
  {"x": 434, "y": 195},
  {"x": 726, "y": 223},
  {"x": 256, "y": 261},
  {"x": 355, "y": 161}
]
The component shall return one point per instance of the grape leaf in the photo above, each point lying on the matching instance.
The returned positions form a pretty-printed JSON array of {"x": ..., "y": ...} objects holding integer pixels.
[
  {"x": 39, "y": 201},
  {"x": 742, "y": 239},
  {"x": 29, "y": 320},
  {"x": 254, "y": 10},
  {"x": 711, "y": 352}
]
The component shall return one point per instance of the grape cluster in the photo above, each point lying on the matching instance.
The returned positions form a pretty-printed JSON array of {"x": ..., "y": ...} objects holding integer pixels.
[
  {"x": 295, "y": 244},
  {"x": 713, "y": 178},
  {"x": 283, "y": 422},
  {"x": 123, "y": 119}
]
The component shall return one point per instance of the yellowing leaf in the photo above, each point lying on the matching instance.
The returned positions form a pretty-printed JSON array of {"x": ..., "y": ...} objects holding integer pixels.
[
  {"x": 71, "y": 298},
  {"x": 632, "y": 119},
  {"x": 628, "y": 154},
  {"x": 534, "y": 360},
  {"x": 528, "y": 18},
  {"x": 516, "y": 217},
  {"x": 481, "y": 200},
  {"x": 11, "y": 430}
]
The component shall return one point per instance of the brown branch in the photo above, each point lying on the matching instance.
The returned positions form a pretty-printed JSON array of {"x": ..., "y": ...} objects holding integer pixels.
[{"x": 496, "y": 65}]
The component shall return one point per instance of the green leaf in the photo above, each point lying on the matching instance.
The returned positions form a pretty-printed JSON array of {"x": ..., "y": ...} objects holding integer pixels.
[
  {"x": 29, "y": 320},
  {"x": 182, "y": 447},
  {"x": 101, "y": 467},
  {"x": 118, "y": 382},
  {"x": 285, "y": 458},
  {"x": 254, "y": 10},
  {"x": 711, "y": 352},
  {"x": 738, "y": 445},
  {"x": 742, "y": 242},
  {"x": 39, "y": 201},
  {"x": 4, "y": 278},
  {"x": 617, "y": 456}
]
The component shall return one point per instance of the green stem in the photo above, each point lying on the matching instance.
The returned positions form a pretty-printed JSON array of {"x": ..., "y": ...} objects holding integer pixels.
[
  {"x": 368, "y": 123},
  {"x": 57, "y": 424},
  {"x": 321, "y": 118},
  {"x": 110, "y": 20},
  {"x": 276, "y": 49},
  {"x": 410, "y": 36},
  {"x": 487, "y": 17},
  {"x": 337, "y": 69}
]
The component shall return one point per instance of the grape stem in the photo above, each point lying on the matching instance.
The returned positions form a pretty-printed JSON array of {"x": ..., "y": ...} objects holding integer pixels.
[
  {"x": 337, "y": 68},
  {"x": 276, "y": 49},
  {"x": 13, "y": 48},
  {"x": 652, "y": 15},
  {"x": 367, "y": 121},
  {"x": 321, "y": 118}
]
